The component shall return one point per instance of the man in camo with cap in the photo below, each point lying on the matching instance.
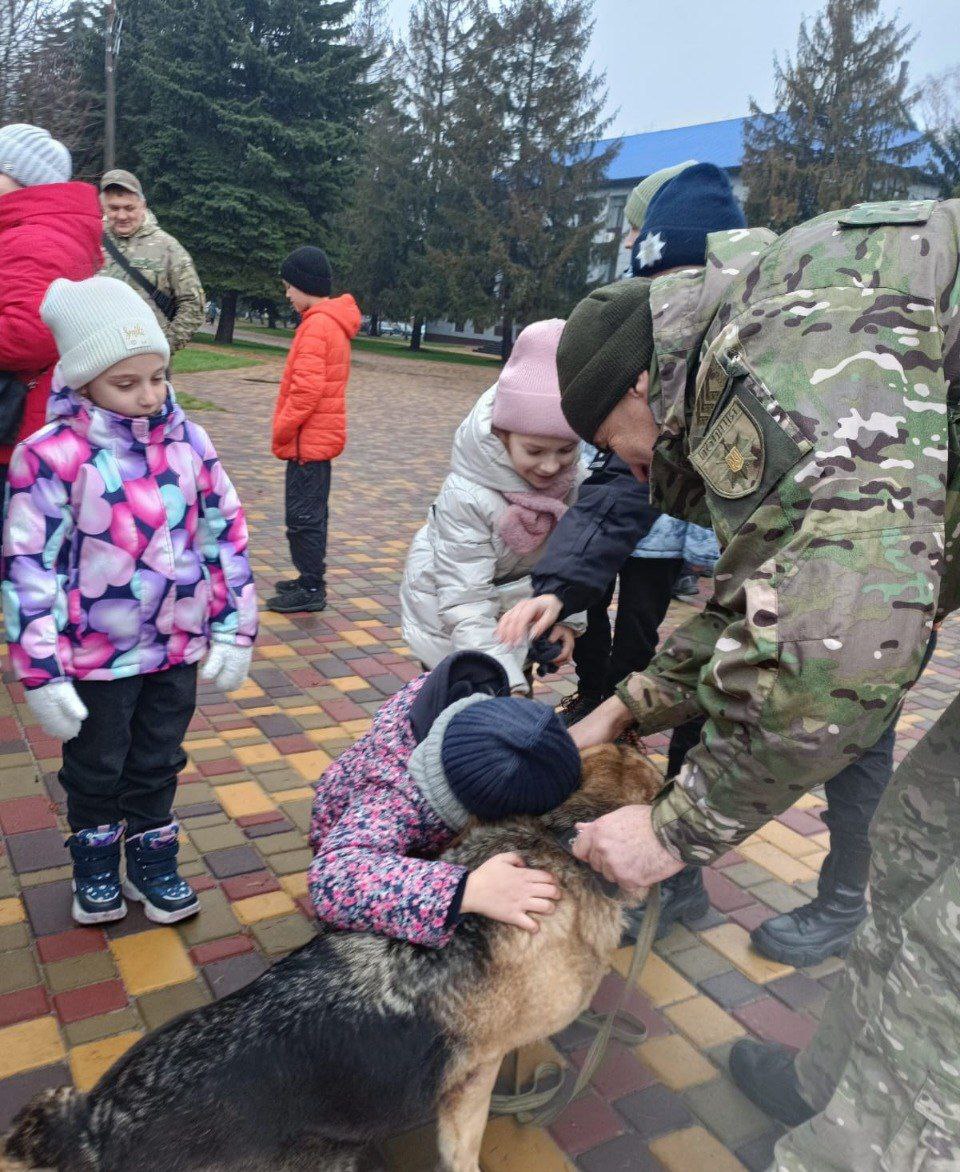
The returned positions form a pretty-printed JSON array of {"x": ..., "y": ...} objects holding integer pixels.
[
  {"x": 804, "y": 396},
  {"x": 132, "y": 229}
]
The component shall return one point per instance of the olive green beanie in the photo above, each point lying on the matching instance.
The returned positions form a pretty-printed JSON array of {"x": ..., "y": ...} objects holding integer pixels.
[
  {"x": 638, "y": 200},
  {"x": 605, "y": 346}
]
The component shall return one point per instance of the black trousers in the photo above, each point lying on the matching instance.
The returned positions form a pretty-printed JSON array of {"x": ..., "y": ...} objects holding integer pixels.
[
  {"x": 125, "y": 760},
  {"x": 307, "y": 494},
  {"x": 603, "y": 660}
]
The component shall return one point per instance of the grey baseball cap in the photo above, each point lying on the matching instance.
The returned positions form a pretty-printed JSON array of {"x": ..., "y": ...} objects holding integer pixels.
[{"x": 125, "y": 179}]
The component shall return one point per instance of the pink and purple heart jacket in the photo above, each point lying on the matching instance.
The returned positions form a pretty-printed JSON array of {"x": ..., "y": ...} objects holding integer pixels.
[{"x": 124, "y": 546}]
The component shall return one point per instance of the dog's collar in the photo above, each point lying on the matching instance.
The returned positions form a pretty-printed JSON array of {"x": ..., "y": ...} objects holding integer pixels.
[{"x": 565, "y": 839}]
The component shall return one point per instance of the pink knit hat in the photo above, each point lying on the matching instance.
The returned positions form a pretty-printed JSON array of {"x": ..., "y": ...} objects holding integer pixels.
[{"x": 528, "y": 391}]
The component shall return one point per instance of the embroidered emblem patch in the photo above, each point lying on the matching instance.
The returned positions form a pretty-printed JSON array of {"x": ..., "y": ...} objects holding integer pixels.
[
  {"x": 731, "y": 457},
  {"x": 134, "y": 336}
]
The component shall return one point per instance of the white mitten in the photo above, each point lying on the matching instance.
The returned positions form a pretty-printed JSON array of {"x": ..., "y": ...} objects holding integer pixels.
[
  {"x": 58, "y": 708},
  {"x": 226, "y": 665}
]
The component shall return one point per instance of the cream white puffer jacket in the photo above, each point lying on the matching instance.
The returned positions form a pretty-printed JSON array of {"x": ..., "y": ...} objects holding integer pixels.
[{"x": 460, "y": 575}]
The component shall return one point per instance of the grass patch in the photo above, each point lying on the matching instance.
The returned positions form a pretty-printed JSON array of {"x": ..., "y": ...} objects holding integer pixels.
[
  {"x": 193, "y": 360},
  {"x": 191, "y": 403},
  {"x": 394, "y": 347},
  {"x": 254, "y": 347}
]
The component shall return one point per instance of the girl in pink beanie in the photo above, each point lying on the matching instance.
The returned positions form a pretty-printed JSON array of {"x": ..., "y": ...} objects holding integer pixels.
[{"x": 515, "y": 468}]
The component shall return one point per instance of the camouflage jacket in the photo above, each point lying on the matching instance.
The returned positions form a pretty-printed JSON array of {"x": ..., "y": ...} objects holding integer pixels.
[
  {"x": 164, "y": 261},
  {"x": 819, "y": 433}
]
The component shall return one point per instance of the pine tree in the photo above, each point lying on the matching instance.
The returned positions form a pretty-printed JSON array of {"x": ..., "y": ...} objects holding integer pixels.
[
  {"x": 440, "y": 40},
  {"x": 842, "y": 130},
  {"x": 940, "y": 109},
  {"x": 244, "y": 118},
  {"x": 528, "y": 119}
]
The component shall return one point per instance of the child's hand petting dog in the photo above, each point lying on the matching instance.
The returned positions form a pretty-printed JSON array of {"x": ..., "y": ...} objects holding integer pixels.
[{"x": 504, "y": 889}]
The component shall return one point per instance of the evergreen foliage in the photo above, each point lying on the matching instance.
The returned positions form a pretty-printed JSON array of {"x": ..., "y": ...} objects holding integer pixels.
[{"x": 842, "y": 130}]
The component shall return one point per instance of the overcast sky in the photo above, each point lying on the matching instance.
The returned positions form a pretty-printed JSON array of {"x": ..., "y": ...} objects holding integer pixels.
[{"x": 675, "y": 62}]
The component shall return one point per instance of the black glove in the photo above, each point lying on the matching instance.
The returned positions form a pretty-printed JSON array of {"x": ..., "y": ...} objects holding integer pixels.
[{"x": 543, "y": 652}]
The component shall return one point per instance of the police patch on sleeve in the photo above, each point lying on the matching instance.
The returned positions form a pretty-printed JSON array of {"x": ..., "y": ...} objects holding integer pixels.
[{"x": 731, "y": 457}]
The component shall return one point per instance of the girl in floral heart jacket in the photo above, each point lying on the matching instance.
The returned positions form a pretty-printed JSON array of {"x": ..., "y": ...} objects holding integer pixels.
[
  {"x": 450, "y": 745},
  {"x": 124, "y": 564}
]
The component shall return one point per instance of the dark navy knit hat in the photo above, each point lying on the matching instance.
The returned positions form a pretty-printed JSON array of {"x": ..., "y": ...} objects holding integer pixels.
[
  {"x": 308, "y": 270},
  {"x": 679, "y": 218},
  {"x": 494, "y": 757}
]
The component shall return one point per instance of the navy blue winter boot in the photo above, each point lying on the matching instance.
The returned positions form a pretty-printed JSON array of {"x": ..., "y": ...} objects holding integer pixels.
[
  {"x": 97, "y": 898},
  {"x": 152, "y": 876}
]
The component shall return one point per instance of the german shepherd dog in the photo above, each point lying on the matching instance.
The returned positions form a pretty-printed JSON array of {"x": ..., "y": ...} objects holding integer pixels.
[{"x": 356, "y": 1037}]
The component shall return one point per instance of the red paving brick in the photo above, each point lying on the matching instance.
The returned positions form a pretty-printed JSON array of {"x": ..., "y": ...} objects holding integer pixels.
[
  {"x": 90, "y": 1001},
  {"x": 220, "y": 949},
  {"x": 22, "y": 814},
  {"x": 23, "y": 1005},
  {"x": 73, "y": 942}
]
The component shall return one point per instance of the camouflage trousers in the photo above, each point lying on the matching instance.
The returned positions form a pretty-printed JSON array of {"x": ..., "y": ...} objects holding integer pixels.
[{"x": 884, "y": 1067}]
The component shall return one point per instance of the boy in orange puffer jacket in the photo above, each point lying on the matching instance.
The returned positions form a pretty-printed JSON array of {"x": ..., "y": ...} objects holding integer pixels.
[{"x": 310, "y": 420}]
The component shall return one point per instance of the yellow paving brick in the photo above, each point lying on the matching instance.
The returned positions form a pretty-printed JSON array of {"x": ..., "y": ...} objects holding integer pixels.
[
  {"x": 357, "y": 726},
  {"x": 245, "y": 798},
  {"x": 349, "y": 683},
  {"x": 359, "y": 638},
  {"x": 309, "y": 765},
  {"x": 320, "y": 735},
  {"x": 694, "y": 1150},
  {"x": 29, "y": 1044},
  {"x": 661, "y": 983},
  {"x": 508, "y": 1147},
  {"x": 777, "y": 862},
  {"x": 294, "y": 885},
  {"x": 293, "y": 795},
  {"x": 365, "y": 604},
  {"x": 266, "y": 710},
  {"x": 809, "y": 802},
  {"x": 247, "y": 691},
  {"x": 276, "y": 651},
  {"x": 205, "y": 743},
  {"x": 822, "y": 839},
  {"x": 151, "y": 960},
  {"x": 89, "y": 1061},
  {"x": 256, "y": 754},
  {"x": 11, "y": 912},
  {"x": 704, "y": 1022},
  {"x": 303, "y": 710},
  {"x": 733, "y": 942},
  {"x": 675, "y": 1062},
  {"x": 786, "y": 839},
  {"x": 262, "y": 907}
]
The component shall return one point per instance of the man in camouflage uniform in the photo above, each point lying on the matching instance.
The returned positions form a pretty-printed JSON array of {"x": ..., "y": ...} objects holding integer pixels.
[
  {"x": 818, "y": 433},
  {"x": 133, "y": 229}
]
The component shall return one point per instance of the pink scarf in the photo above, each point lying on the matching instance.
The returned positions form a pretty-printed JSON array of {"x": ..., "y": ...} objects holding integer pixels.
[{"x": 532, "y": 516}]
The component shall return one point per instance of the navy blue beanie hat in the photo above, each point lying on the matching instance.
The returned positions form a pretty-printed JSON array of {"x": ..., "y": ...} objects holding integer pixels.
[
  {"x": 494, "y": 757},
  {"x": 679, "y": 218},
  {"x": 509, "y": 756}
]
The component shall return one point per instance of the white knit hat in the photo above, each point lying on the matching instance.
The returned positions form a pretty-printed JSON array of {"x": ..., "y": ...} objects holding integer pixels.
[
  {"x": 97, "y": 323},
  {"x": 30, "y": 155}
]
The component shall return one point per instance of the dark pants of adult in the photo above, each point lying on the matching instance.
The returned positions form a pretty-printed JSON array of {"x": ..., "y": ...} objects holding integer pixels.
[
  {"x": 124, "y": 762},
  {"x": 307, "y": 495},
  {"x": 603, "y": 660}
]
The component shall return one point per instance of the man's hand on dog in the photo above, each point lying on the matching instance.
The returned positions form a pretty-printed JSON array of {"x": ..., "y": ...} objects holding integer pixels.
[
  {"x": 504, "y": 889},
  {"x": 623, "y": 847}
]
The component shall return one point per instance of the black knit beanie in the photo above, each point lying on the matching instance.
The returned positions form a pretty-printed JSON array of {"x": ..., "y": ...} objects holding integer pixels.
[
  {"x": 308, "y": 270},
  {"x": 605, "y": 346}
]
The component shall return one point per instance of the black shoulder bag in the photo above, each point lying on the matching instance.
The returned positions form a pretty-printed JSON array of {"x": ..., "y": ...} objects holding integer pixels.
[
  {"x": 163, "y": 301},
  {"x": 13, "y": 398}
]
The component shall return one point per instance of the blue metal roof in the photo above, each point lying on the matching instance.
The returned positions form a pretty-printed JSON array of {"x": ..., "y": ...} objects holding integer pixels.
[{"x": 720, "y": 143}]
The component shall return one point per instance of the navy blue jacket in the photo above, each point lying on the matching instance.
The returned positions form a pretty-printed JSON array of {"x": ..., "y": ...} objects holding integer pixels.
[{"x": 595, "y": 536}]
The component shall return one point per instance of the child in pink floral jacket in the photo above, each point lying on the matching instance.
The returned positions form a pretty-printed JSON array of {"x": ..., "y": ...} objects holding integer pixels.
[
  {"x": 450, "y": 745},
  {"x": 125, "y": 563}
]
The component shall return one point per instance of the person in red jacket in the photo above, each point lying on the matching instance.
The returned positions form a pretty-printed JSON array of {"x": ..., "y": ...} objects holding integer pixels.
[
  {"x": 49, "y": 228},
  {"x": 310, "y": 420}
]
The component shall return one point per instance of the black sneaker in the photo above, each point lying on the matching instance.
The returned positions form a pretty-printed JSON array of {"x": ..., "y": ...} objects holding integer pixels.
[
  {"x": 574, "y": 708},
  {"x": 297, "y": 600},
  {"x": 766, "y": 1073},
  {"x": 687, "y": 588},
  {"x": 284, "y": 585}
]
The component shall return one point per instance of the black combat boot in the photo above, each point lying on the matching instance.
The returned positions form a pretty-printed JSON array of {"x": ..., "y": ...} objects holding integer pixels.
[
  {"x": 572, "y": 709},
  {"x": 683, "y": 899},
  {"x": 825, "y": 926},
  {"x": 767, "y": 1075}
]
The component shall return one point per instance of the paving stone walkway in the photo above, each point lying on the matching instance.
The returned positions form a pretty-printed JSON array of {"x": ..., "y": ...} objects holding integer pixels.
[{"x": 73, "y": 999}]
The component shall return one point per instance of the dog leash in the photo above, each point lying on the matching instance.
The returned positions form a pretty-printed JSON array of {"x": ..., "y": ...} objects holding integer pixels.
[{"x": 539, "y": 1105}]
